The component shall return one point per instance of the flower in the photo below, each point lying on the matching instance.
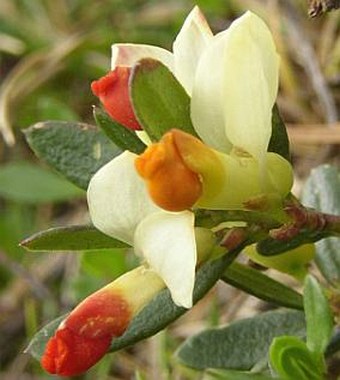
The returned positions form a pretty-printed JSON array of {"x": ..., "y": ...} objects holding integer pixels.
[
  {"x": 121, "y": 207},
  {"x": 84, "y": 337},
  {"x": 232, "y": 78},
  {"x": 147, "y": 201}
]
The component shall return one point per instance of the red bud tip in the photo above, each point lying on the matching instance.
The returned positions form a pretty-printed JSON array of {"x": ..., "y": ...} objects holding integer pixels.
[
  {"x": 103, "y": 313},
  {"x": 113, "y": 92},
  {"x": 68, "y": 354},
  {"x": 85, "y": 336}
]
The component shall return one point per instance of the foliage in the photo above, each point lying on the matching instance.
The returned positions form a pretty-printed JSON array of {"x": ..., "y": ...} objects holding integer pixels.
[{"x": 50, "y": 51}]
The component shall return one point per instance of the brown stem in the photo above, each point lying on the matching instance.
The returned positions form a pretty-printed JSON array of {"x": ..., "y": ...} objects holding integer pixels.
[{"x": 317, "y": 7}]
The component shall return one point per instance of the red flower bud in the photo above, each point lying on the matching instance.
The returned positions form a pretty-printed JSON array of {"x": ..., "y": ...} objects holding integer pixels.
[
  {"x": 85, "y": 335},
  {"x": 69, "y": 354},
  {"x": 113, "y": 92}
]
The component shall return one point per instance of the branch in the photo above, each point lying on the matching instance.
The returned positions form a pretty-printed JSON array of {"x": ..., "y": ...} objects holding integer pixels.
[{"x": 317, "y": 7}]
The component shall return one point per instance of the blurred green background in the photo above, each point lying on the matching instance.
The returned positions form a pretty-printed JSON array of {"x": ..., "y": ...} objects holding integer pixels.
[{"x": 50, "y": 51}]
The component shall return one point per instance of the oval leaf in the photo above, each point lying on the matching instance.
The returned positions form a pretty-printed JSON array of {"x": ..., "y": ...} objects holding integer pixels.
[
  {"x": 159, "y": 100},
  {"x": 37, "y": 345},
  {"x": 322, "y": 192},
  {"x": 72, "y": 238},
  {"x": 242, "y": 344},
  {"x": 261, "y": 286},
  {"x": 161, "y": 311},
  {"x": 319, "y": 318},
  {"x": 235, "y": 375},
  {"x": 75, "y": 150},
  {"x": 123, "y": 137},
  {"x": 273, "y": 247}
]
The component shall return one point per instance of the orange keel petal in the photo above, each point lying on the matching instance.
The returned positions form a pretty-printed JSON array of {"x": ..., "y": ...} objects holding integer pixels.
[{"x": 171, "y": 184}]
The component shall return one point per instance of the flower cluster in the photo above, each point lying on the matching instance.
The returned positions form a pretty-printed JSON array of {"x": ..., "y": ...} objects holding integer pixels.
[{"x": 149, "y": 201}]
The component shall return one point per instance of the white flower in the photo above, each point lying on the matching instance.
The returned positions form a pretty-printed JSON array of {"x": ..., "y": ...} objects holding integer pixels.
[
  {"x": 120, "y": 207},
  {"x": 232, "y": 79}
]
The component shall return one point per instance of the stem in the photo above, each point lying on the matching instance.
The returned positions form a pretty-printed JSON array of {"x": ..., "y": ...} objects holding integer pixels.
[
  {"x": 332, "y": 224},
  {"x": 211, "y": 218}
]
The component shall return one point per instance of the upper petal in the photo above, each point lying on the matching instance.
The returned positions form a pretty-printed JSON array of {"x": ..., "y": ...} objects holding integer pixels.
[
  {"x": 208, "y": 99},
  {"x": 250, "y": 83},
  {"x": 235, "y": 87},
  {"x": 191, "y": 41},
  {"x": 118, "y": 199},
  {"x": 129, "y": 54},
  {"x": 167, "y": 242}
]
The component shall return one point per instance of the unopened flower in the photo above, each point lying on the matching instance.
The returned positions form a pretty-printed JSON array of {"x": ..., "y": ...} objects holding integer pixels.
[
  {"x": 191, "y": 41},
  {"x": 294, "y": 262},
  {"x": 85, "y": 335},
  {"x": 113, "y": 92}
]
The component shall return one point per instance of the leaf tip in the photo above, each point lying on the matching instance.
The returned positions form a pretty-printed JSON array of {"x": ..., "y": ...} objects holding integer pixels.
[{"x": 147, "y": 64}]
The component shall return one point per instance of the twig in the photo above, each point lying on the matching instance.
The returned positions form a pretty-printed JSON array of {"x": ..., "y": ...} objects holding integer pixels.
[{"x": 317, "y": 7}]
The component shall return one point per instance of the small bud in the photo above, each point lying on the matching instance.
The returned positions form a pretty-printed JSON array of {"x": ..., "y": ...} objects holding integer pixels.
[
  {"x": 113, "y": 92},
  {"x": 293, "y": 262},
  {"x": 171, "y": 183},
  {"x": 85, "y": 335},
  {"x": 68, "y": 354}
]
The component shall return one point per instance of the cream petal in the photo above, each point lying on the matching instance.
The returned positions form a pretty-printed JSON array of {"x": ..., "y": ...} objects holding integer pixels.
[
  {"x": 118, "y": 199},
  {"x": 129, "y": 54},
  {"x": 142, "y": 135},
  {"x": 250, "y": 83},
  {"x": 193, "y": 38},
  {"x": 207, "y": 100},
  {"x": 167, "y": 242},
  {"x": 240, "y": 180}
]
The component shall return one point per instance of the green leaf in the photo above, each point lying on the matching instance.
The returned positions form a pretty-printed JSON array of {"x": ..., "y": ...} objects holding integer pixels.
[
  {"x": 75, "y": 150},
  {"x": 26, "y": 183},
  {"x": 158, "y": 314},
  {"x": 235, "y": 375},
  {"x": 292, "y": 360},
  {"x": 104, "y": 263},
  {"x": 72, "y": 238},
  {"x": 261, "y": 286},
  {"x": 322, "y": 192},
  {"x": 243, "y": 343},
  {"x": 161, "y": 311},
  {"x": 123, "y": 137},
  {"x": 319, "y": 318},
  {"x": 274, "y": 247},
  {"x": 159, "y": 100},
  {"x": 279, "y": 142},
  {"x": 37, "y": 345}
]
